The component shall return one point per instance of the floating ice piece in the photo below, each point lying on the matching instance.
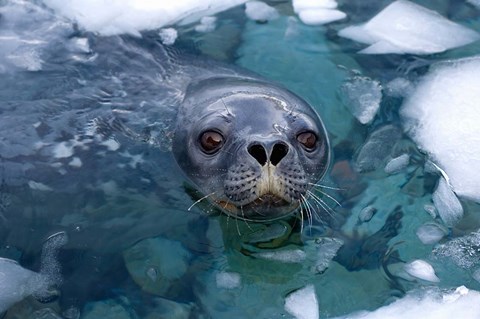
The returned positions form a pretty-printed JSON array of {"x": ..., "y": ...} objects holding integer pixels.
[
  {"x": 303, "y": 303},
  {"x": 317, "y": 12},
  {"x": 430, "y": 304},
  {"x": 476, "y": 275},
  {"x": 430, "y": 233},
  {"x": 285, "y": 256},
  {"x": 228, "y": 280},
  {"x": 399, "y": 87},
  {"x": 366, "y": 214},
  {"x": 431, "y": 210},
  {"x": 362, "y": 96},
  {"x": 422, "y": 270},
  {"x": 326, "y": 250},
  {"x": 462, "y": 251},
  {"x": 109, "y": 17},
  {"x": 443, "y": 117},
  {"x": 168, "y": 36},
  {"x": 207, "y": 24},
  {"x": 406, "y": 27},
  {"x": 396, "y": 164},
  {"x": 260, "y": 11},
  {"x": 448, "y": 206}
]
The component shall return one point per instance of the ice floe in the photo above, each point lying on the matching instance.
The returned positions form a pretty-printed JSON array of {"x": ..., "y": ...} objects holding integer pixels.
[
  {"x": 406, "y": 27},
  {"x": 462, "y": 251},
  {"x": 303, "y": 303},
  {"x": 422, "y": 270},
  {"x": 430, "y": 233},
  {"x": 132, "y": 16},
  {"x": 260, "y": 11},
  {"x": 443, "y": 117},
  {"x": 317, "y": 12},
  {"x": 397, "y": 164},
  {"x": 429, "y": 304},
  {"x": 207, "y": 24},
  {"x": 362, "y": 96},
  {"x": 447, "y": 204},
  {"x": 285, "y": 256},
  {"x": 168, "y": 36},
  {"x": 228, "y": 280}
]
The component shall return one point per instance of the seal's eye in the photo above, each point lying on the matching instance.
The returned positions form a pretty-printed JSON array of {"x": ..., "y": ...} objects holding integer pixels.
[
  {"x": 308, "y": 140},
  {"x": 211, "y": 141}
]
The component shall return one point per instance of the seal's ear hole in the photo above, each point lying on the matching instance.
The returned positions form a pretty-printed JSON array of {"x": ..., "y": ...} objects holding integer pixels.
[
  {"x": 308, "y": 140},
  {"x": 211, "y": 141}
]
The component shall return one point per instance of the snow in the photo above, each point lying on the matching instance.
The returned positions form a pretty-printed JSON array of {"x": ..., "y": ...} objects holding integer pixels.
[
  {"x": 405, "y": 27},
  {"x": 303, "y": 303},
  {"x": 362, "y": 96},
  {"x": 428, "y": 304},
  {"x": 317, "y": 12},
  {"x": 447, "y": 204},
  {"x": 443, "y": 117},
  {"x": 422, "y": 270},
  {"x": 260, "y": 11},
  {"x": 109, "y": 17}
]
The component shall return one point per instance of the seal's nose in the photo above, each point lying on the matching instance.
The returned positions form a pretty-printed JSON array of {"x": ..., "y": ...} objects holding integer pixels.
[{"x": 279, "y": 150}]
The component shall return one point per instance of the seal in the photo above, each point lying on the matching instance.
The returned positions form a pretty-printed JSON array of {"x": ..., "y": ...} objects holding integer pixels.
[{"x": 253, "y": 149}]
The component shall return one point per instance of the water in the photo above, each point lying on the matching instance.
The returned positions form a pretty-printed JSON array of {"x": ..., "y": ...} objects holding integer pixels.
[{"x": 85, "y": 149}]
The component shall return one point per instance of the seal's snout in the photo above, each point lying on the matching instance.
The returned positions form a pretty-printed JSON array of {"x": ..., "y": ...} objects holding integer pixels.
[{"x": 259, "y": 152}]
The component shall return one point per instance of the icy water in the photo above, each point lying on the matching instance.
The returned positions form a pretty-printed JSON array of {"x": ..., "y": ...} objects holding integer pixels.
[{"x": 86, "y": 123}]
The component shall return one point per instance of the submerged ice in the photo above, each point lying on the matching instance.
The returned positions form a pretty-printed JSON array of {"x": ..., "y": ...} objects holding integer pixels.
[
  {"x": 406, "y": 27},
  {"x": 443, "y": 117}
]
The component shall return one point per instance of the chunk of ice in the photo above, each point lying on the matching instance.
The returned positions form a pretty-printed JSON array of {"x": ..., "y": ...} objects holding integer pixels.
[
  {"x": 285, "y": 256},
  {"x": 399, "y": 87},
  {"x": 362, "y": 96},
  {"x": 396, "y": 164},
  {"x": 207, "y": 24},
  {"x": 132, "y": 16},
  {"x": 320, "y": 16},
  {"x": 366, "y": 214},
  {"x": 463, "y": 251},
  {"x": 317, "y": 12},
  {"x": 422, "y": 270},
  {"x": 430, "y": 304},
  {"x": 228, "y": 280},
  {"x": 430, "y": 233},
  {"x": 406, "y": 27},
  {"x": 303, "y": 303},
  {"x": 443, "y": 117},
  {"x": 260, "y": 11},
  {"x": 327, "y": 249},
  {"x": 168, "y": 36},
  {"x": 448, "y": 206}
]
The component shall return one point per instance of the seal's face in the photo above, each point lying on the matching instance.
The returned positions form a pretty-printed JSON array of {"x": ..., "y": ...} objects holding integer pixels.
[{"x": 253, "y": 149}]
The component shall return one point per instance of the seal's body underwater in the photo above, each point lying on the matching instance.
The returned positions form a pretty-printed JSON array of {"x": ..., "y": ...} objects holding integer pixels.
[{"x": 253, "y": 148}]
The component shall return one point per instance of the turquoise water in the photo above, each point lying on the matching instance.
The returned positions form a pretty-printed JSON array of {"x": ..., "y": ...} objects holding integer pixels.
[{"x": 136, "y": 250}]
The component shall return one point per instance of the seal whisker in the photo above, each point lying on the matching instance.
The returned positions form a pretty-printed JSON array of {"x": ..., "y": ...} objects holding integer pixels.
[
  {"x": 327, "y": 187},
  {"x": 245, "y": 219},
  {"x": 201, "y": 199},
  {"x": 328, "y": 195},
  {"x": 323, "y": 205},
  {"x": 301, "y": 215},
  {"x": 308, "y": 210}
]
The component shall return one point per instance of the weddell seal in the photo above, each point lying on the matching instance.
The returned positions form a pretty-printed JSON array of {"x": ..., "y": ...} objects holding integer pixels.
[{"x": 252, "y": 148}]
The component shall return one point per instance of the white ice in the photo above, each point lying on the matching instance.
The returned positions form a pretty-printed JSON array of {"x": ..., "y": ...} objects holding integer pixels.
[
  {"x": 285, "y": 256},
  {"x": 17, "y": 283},
  {"x": 422, "y": 270},
  {"x": 303, "y": 303},
  {"x": 362, "y": 96},
  {"x": 447, "y": 204},
  {"x": 396, "y": 164},
  {"x": 399, "y": 87},
  {"x": 443, "y": 117},
  {"x": 317, "y": 12},
  {"x": 228, "y": 280},
  {"x": 462, "y": 251},
  {"x": 366, "y": 214},
  {"x": 430, "y": 304},
  {"x": 168, "y": 35},
  {"x": 207, "y": 24},
  {"x": 109, "y": 17},
  {"x": 430, "y": 233},
  {"x": 260, "y": 11},
  {"x": 405, "y": 27},
  {"x": 327, "y": 249}
]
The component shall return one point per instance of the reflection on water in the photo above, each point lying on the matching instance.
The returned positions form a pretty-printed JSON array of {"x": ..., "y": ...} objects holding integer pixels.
[{"x": 85, "y": 137}]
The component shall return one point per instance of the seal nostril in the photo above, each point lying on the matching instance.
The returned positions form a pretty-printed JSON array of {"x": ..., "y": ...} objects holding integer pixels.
[
  {"x": 279, "y": 151},
  {"x": 258, "y": 152}
]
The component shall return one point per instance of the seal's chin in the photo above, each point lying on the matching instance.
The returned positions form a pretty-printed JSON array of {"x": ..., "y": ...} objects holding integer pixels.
[{"x": 265, "y": 208}]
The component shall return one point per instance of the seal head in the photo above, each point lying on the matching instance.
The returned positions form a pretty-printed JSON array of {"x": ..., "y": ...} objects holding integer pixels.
[{"x": 252, "y": 148}]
